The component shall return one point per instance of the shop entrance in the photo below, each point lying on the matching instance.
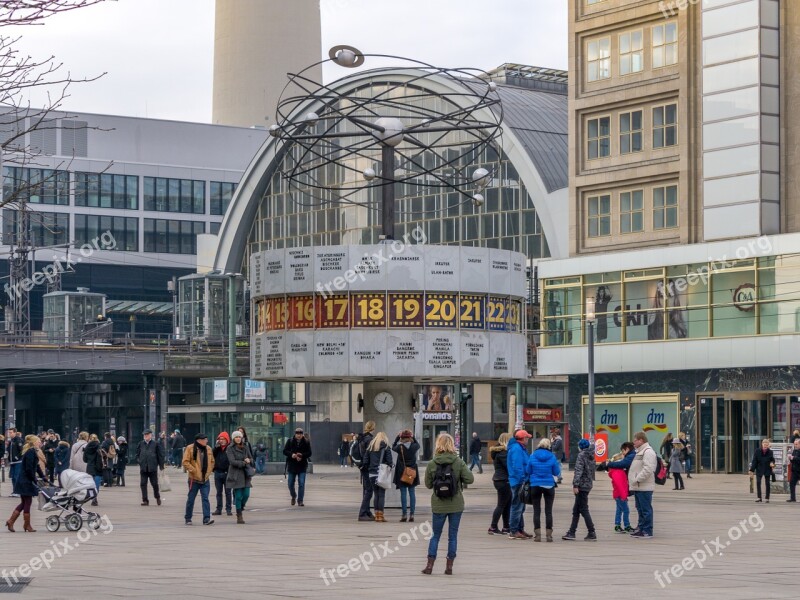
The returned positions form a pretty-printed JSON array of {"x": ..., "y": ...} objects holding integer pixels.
[{"x": 731, "y": 430}]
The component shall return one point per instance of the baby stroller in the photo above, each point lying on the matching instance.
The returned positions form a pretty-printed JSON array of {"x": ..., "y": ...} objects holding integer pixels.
[{"x": 76, "y": 489}]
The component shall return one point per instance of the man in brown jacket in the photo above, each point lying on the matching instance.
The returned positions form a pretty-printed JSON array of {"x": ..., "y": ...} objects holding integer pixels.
[{"x": 198, "y": 460}]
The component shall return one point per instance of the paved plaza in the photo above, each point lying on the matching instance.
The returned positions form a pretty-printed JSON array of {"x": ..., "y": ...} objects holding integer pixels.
[{"x": 747, "y": 550}]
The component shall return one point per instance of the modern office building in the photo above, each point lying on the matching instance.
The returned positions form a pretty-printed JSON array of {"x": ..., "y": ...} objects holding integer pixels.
[
  {"x": 525, "y": 209},
  {"x": 683, "y": 224}
]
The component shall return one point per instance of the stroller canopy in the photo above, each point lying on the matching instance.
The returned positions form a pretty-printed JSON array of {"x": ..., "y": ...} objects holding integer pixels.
[{"x": 75, "y": 481}]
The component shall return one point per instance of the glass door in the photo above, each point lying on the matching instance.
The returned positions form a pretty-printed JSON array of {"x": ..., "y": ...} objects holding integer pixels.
[
  {"x": 714, "y": 438},
  {"x": 748, "y": 423}
]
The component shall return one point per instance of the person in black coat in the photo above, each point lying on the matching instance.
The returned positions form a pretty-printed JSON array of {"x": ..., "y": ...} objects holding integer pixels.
[
  {"x": 221, "y": 466},
  {"x": 297, "y": 452},
  {"x": 25, "y": 484},
  {"x": 762, "y": 464},
  {"x": 49, "y": 448},
  {"x": 108, "y": 461},
  {"x": 475, "y": 453},
  {"x": 794, "y": 460},
  {"x": 122, "y": 461},
  {"x": 378, "y": 453},
  {"x": 150, "y": 456},
  {"x": 499, "y": 456},
  {"x": 407, "y": 448},
  {"x": 94, "y": 462},
  {"x": 61, "y": 458}
]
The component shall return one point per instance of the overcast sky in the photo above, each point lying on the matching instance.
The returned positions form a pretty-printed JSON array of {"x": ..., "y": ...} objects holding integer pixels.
[{"x": 158, "y": 54}]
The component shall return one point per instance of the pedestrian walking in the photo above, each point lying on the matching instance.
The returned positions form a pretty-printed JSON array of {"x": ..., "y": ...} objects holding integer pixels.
[
  {"x": 198, "y": 462},
  {"x": 246, "y": 442},
  {"x": 221, "y": 465},
  {"x": 109, "y": 454},
  {"x": 150, "y": 456},
  {"x": 687, "y": 454},
  {"x": 344, "y": 452},
  {"x": 642, "y": 482},
  {"x": 446, "y": 474},
  {"x": 499, "y": 455},
  {"x": 177, "y": 445},
  {"x": 794, "y": 461},
  {"x": 61, "y": 458},
  {"x": 122, "y": 461},
  {"x": 543, "y": 470},
  {"x": 762, "y": 464},
  {"x": 583, "y": 480},
  {"x": 378, "y": 453},
  {"x": 25, "y": 484},
  {"x": 76, "y": 462},
  {"x": 240, "y": 473},
  {"x": 297, "y": 452},
  {"x": 475, "y": 453},
  {"x": 94, "y": 463},
  {"x": 517, "y": 464},
  {"x": 676, "y": 464},
  {"x": 15, "y": 445},
  {"x": 261, "y": 458},
  {"x": 49, "y": 448},
  {"x": 618, "y": 468},
  {"x": 557, "y": 446},
  {"x": 358, "y": 452},
  {"x": 407, "y": 447}
]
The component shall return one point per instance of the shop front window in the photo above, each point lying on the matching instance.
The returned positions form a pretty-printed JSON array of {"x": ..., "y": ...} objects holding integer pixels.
[{"x": 733, "y": 296}]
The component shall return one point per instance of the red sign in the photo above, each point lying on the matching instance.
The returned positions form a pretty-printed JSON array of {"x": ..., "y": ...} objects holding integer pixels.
[
  {"x": 600, "y": 446},
  {"x": 542, "y": 415}
]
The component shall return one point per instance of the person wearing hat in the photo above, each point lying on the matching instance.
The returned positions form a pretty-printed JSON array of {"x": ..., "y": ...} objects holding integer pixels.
[
  {"x": 241, "y": 463},
  {"x": 676, "y": 464},
  {"x": 360, "y": 459},
  {"x": 582, "y": 483},
  {"x": 297, "y": 452},
  {"x": 517, "y": 464},
  {"x": 150, "y": 457},
  {"x": 122, "y": 461},
  {"x": 198, "y": 461}
]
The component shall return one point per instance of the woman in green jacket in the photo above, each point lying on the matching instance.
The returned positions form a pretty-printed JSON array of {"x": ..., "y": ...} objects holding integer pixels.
[{"x": 447, "y": 501}]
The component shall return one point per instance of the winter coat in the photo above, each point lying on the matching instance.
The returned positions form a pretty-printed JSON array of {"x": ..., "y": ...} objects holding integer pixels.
[
  {"x": 624, "y": 462},
  {"x": 237, "y": 479},
  {"x": 193, "y": 464},
  {"x": 344, "y": 448},
  {"x": 15, "y": 445},
  {"x": 516, "y": 463},
  {"x": 642, "y": 474},
  {"x": 76, "y": 462},
  {"x": 363, "y": 440},
  {"x": 463, "y": 476},
  {"x": 584, "y": 470},
  {"x": 150, "y": 456},
  {"x": 675, "y": 461},
  {"x": 619, "y": 482},
  {"x": 25, "y": 485},
  {"x": 475, "y": 446},
  {"x": 794, "y": 459},
  {"x": 293, "y": 446},
  {"x": 557, "y": 447},
  {"x": 760, "y": 465},
  {"x": 49, "y": 449},
  {"x": 542, "y": 467},
  {"x": 93, "y": 459},
  {"x": 122, "y": 456},
  {"x": 406, "y": 457},
  {"x": 221, "y": 462},
  {"x": 61, "y": 457},
  {"x": 499, "y": 456},
  {"x": 376, "y": 457},
  {"x": 178, "y": 442}
]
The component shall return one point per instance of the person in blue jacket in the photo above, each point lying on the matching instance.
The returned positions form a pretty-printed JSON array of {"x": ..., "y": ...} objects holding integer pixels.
[
  {"x": 517, "y": 463},
  {"x": 543, "y": 469}
]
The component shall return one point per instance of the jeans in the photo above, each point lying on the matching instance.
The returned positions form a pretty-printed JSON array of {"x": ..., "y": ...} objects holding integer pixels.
[
  {"x": 517, "y": 509},
  {"x": 98, "y": 481},
  {"x": 261, "y": 464},
  {"x": 688, "y": 466},
  {"x": 152, "y": 477},
  {"x": 475, "y": 461},
  {"x": 14, "y": 473},
  {"x": 623, "y": 514},
  {"x": 581, "y": 509},
  {"x": 503, "y": 507},
  {"x": 204, "y": 489},
  {"x": 301, "y": 485},
  {"x": 219, "y": 483},
  {"x": 380, "y": 494},
  {"x": 412, "y": 494},
  {"x": 240, "y": 497},
  {"x": 343, "y": 460},
  {"x": 177, "y": 457},
  {"x": 644, "y": 506},
  {"x": 366, "y": 494},
  {"x": 549, "y": 496},
  {"x": 766, "y": 478},
  {"x": 452, "y": 534}
]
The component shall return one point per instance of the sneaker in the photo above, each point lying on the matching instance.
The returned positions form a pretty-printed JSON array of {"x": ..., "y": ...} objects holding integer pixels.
[
  {"x": 643, "y": 536},
  {"x": 619, "y": 529},
  {"x": 629, "y": 529},
  {"x": 494, "y": 531},
  {"x": 637, "y": 534},
  {"x": 505, "y": 531},
  {"x": 790, "y": 500},
  {"x": 591, "y": 537},
  {"x": 188, "y": 523},
  {"x": 569, "y": 536},
  {"x": 209, "y": 522},
  {"x": 517, "y": 536},
  {"x": 759, "y": 500},
  {"x": 300, "y": 503}
]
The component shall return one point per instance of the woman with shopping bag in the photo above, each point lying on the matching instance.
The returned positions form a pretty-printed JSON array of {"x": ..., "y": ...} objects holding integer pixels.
[{"x": 380, "y": 464}]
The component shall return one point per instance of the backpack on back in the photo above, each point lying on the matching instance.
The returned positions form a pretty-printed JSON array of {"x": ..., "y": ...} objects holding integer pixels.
[
  {"x": 112, "y": 451},
  {"x": 358, "y": 450},
  {"x": 444, "y": 481}
]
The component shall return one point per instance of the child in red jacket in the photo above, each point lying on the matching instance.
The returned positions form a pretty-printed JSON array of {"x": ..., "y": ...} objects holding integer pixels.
[{"x": 618, "y": 472}]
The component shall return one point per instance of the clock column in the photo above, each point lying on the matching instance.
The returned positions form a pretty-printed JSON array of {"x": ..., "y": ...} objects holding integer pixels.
[{"x": 400, "y": 417}]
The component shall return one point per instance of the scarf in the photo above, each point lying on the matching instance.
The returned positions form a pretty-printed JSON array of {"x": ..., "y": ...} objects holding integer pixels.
[{"x": 203, "y": 459}]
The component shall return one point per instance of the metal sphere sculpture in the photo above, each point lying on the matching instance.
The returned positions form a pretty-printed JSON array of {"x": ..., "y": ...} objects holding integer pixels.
[{"x": 422, "y": 125}]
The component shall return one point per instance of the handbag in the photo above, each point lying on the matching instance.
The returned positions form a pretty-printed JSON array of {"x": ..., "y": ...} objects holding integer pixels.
[
  {"x": 249, "y": 471},
  {"x": 525, "y": 493},
  {"x": 409, "y": 475},
  {"x": 384, "y": 474}
]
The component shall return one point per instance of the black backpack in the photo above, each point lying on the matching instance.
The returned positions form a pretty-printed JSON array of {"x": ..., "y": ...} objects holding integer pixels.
[
  {"x": 359, "y": 450},
  {"x": 444, "y": 481}
]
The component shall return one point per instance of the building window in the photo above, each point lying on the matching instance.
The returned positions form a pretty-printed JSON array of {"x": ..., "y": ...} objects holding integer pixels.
[
  {"x": 125, "y": 231},
  {"x": 665, "y": 126},
  {"x": 598, "y": 53},
  {"x": 599, "y": 137},
  {"x": 44, "y": 228},
  {"x": 631, "y": 211},
  {"x": 174, "y": 195},
  {"x": 665, "y": 45},
  {"x": 630, "y": 132},
  {"x": 213, "y": 228},
  {"x": 220, "y": 197},
  {"x": 171, "y": 236},
  {"x": 599, "y": 216},
  {"x": 37, "y": 186},
  {"x": 631, "y": 52},
  {"x": 105, "y": 190},
  {"x": 665, "y": 207}
]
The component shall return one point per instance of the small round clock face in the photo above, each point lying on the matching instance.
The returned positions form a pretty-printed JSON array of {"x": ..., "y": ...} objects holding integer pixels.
[{"x": 384, "y": 402}]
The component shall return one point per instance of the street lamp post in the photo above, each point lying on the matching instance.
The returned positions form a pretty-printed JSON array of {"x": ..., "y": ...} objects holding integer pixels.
[{"x": 590, "y": 317}]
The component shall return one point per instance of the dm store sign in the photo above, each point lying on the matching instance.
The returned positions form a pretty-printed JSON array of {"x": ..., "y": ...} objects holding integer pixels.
[{"x": 656, "y": 419}]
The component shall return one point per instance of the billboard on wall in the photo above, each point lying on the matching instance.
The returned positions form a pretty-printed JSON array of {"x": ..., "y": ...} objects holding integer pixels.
[
  {"x": 620, "y": 417},
  {"x": 436, "y": 401}
]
